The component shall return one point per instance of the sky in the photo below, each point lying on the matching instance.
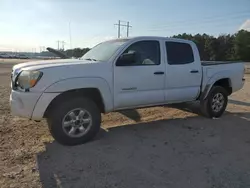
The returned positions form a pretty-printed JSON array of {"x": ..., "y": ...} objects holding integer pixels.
[{"x": 28, "y": 24}]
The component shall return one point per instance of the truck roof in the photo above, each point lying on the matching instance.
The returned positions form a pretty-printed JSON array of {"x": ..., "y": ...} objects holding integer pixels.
[{"x": 154, "y": 37}]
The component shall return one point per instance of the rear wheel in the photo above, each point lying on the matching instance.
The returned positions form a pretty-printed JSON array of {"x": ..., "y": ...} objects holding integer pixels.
[
  {"x": 215, "y": 103},
  {"x": 74, "y": 121}
]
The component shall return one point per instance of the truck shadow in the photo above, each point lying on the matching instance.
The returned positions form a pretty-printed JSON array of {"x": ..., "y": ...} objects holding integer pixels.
[
  {"x": 192, "y": 107},
  {"x": 131, "y": 114},
  {"x": 196, "y": 151},
  {"x": 239, "y": 102}
]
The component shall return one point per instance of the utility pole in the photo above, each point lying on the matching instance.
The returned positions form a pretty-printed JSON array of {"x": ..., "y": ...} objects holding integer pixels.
[
  {"x": 33, "y": 50},
  {"x": 119, "y": 28},
  {"x": 63, "y": 43},
  {"x": 122, "y": 25},
  {"x": 58, "y": 44},
  {"x": 42, "y": 48},
  {"x": 70, "y": 37},
  {"x": 128, "y": 26}
]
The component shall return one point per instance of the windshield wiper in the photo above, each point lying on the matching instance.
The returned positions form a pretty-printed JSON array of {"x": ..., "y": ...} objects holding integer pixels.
[{"x": 90, "y": 59}]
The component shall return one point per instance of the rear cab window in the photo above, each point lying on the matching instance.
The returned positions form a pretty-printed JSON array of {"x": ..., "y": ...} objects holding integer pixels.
[{"x": 179, "y": 53}]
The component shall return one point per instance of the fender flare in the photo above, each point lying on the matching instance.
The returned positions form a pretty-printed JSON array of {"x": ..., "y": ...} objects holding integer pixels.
[
  {"x": 81, "y": 83},
  {"x": 213, "y": 80}
]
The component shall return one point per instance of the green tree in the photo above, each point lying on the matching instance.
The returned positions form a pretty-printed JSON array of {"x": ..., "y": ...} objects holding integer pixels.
[
  {"x": 76, "y": 52},
  {"x": 221, "y": 48},
  {"x": 200, "y": 42},
  {"x": 225, "y": 47},
  {"x": 242, "y": 45}
]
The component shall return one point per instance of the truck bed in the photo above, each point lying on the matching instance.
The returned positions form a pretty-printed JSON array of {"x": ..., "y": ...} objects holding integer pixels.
[{"x": 207, "y": 63}]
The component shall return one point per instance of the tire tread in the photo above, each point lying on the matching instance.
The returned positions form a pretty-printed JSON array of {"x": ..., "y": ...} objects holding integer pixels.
[{"x": 57, "y": 113}]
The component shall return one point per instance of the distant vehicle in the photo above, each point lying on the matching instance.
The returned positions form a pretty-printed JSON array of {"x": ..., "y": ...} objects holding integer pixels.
[
  {"x": 13, "y": 56},
  {"x": 22, "y": 56},
  {"x": 116, "y": 75},
  {"x": 4, "y": 55}
]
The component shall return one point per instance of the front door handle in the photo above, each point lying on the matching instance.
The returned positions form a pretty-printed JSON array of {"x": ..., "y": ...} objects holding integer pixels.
[
  {"x": 194, "y": 71},
  {"x": 159, "y": 72}
]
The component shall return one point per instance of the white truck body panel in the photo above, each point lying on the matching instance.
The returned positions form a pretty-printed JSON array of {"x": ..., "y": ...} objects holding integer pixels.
[
  {"x": 123, "y": 87},
  {"x": 134, "y": 85},
  {"x": 233, "y": 71},
  {"x": 181, "y": 84}
]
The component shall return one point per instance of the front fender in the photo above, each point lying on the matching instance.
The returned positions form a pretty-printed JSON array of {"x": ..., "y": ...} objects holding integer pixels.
[{"x": 80, "y": 83}]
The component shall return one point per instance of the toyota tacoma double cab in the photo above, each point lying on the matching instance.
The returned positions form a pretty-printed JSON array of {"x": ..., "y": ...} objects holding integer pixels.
[{"x": 119, "y": 74}]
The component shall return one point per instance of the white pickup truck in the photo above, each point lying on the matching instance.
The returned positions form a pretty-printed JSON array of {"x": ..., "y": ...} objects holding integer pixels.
[{"x": 115, "y": 75}]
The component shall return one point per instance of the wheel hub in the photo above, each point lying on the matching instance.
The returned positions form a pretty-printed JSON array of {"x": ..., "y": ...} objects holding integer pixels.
[
  {"x": 218, "y": 102},
  {"x": 77, "y": 122}
]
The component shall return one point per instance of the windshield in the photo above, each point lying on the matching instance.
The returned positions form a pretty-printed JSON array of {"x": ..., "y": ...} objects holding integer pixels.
[{"x": 104, "y": 51}]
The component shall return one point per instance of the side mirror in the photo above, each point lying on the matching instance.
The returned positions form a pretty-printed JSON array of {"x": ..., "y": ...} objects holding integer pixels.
[{"x": 126, "y": 59}]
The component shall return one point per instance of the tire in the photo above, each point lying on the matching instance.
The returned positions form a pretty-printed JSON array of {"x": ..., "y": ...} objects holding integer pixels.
[
  {"x": 64, "y": 130},
  {"x": 207, "y": 104}
]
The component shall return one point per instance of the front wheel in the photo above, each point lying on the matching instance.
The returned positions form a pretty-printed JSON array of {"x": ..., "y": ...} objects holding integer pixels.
[
  {"x": 74, "y": 121},
  {"x": 215, "y": 103}
]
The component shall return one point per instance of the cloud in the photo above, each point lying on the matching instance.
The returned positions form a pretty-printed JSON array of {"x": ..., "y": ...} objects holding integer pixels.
[{"x": 245, "y": 25}]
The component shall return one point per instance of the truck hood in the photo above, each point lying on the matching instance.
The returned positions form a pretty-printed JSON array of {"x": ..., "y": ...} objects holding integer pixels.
[
  {"x": 35, "y": 65},
  {"x": 57, "y": 70}
]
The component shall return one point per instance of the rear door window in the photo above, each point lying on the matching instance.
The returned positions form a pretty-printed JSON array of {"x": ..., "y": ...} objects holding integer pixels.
[{"x": 179, "y": 53}]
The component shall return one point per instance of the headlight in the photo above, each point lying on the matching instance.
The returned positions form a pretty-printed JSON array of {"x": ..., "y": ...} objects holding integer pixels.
[{"x": 28, "y": 79}]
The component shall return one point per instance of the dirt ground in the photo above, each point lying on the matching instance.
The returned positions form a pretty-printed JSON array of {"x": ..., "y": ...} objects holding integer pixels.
[{"x": 154, "y": 147}]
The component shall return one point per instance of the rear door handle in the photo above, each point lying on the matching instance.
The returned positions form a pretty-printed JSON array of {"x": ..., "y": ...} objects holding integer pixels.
[
  {"x": 159, "y": 72},
  {"x": 194, "y": 71}
]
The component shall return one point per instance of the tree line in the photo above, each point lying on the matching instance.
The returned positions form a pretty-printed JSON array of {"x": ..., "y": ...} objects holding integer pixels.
[
  {"x": 225, "y": 47},
  {"x": 76, "y": 52}
]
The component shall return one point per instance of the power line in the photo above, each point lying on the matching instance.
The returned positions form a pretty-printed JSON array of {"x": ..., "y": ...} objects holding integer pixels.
[
  {"x": 200, "y": 23},
  {"x": 63, "y": 43},
  {"x": 209, "y": 18},
  {"x": 122, "y": 25},
  {"x": 42, "y": 48},
  {"x": 187, "y": 30}
]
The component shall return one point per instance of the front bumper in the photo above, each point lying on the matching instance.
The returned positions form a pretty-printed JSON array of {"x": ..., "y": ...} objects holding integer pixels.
[
  {"x": 30, "y": 105},
  {"x": 23, "y": 103}
]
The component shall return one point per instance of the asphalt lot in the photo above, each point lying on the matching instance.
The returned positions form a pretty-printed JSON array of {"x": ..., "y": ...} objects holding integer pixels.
[{"x": 170, "y": 146}]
